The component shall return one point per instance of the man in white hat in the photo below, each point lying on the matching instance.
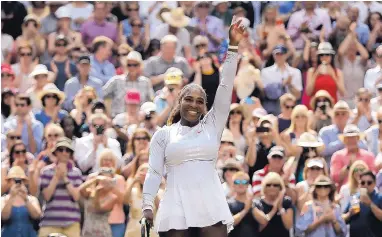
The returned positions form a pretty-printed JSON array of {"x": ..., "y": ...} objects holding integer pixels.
[
  {"x": 175, "y": 23},
  {"x": 343, "y": 159},
  {"x": 148, "y": 119},
  {"x": 116, "y": 87},
  {"x": 40, "y": 74}
]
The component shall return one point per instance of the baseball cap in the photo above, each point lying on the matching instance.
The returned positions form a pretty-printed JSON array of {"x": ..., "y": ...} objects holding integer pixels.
[
  {"x": 280, "y": 49},
  {"x": 276, "y": 151},
  {"x": 84, "y": 59},
  {"x": 133, "y": 97},
  {"x": 173, "y": 76},
  {"x": 148, "y": 107},
  {"x": 315, "y": 162}
]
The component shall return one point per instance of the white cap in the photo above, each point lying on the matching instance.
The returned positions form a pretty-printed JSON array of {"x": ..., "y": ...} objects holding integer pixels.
[
  {"x": 259, "y": 112},
  {"x": 148, "y": 107},
  {"x": 40, "y": 69},
  {"x": 315, "y": 162},
  {"x": 135, "y": 56},
  {"x": 63, "y": 12},
  {"x": 169, "y": 39}
]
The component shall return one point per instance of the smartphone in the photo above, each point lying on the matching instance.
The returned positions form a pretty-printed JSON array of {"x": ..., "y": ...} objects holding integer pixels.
[
  {"x": 363, "y": 191},
  {"x": 18, "y": 181},
  {"x": 100, "y": 130},
  {"x": 262, "y": 129},
  {"x": 319, "y": 27}
]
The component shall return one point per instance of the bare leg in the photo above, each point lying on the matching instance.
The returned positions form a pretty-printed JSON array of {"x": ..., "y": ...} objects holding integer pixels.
[
  {"x": 175, "y": 233},
  {"x": 217, "y": 230}
]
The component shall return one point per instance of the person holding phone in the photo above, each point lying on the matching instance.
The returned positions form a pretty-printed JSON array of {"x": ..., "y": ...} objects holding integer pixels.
[
  {"x": 18, "y": 208},
  {"x": 366, "y": 222}
]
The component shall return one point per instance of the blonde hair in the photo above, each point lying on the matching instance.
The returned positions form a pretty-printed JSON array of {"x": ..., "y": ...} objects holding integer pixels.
[
  {"x": 305, "y": 171},
  {"x": 353, "y": 184},
  {"x": 271, "y": 177},
  {"x": 240, "y": 174},
  {"x": 299, "y": 109},
  {"x": 287, "y": 96},
  {"x": 52, "y": 126},
  {"x": 98, "y": 116},
  {"x": 91, "y": 90},
  {"x": 107, "y": 153}
]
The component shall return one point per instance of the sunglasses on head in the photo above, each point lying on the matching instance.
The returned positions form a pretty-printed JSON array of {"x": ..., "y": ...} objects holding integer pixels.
[
  {"x": 289, "y": 106},
  {"x": 234, "y": 112},
  {"x": 14, "y": 137},
  {"x": 241, "y": 181},
  {"x": 141, "y": 138},
  {"x": 62, "y": 149},
  {"x": 273, "y": 185},
  {"x": 367, "y": 182},
  {"x": 123, "y": 54},
  {"x": 323, "y": 186},
  {"x": 21, "y": 105},
  {"x": 18, "y": 152},
  {"x": 25, "y": 54},
  {"x": 53, "y": 135},
  {"x": 132, "y": 64},
  {"x": 315, "y": 168},
  {"x": 200, "y": 46}
]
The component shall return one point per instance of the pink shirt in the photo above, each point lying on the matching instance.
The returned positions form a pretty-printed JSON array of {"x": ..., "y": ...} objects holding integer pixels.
[{"x": 341, "y": 159}]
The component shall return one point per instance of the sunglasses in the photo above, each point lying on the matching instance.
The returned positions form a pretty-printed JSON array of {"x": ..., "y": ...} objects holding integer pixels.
[
  {"x": 132, "y": 64},
  {"x": 241, "y": 181},
  {"x": 277, "y": 157},
  {"x": 315, "y": 168},
  {"x": 234, "y": 112},
  {"x": 380, "y": 121},
  {"x": 325, "y": 55},
  {"x": 289, "y": 106},
  {"x": 363, "y": 99},
  {"x": 359, "y": 170},
  {"x": 25, "y": 54},
  {"x": 14, "y": 137},
  {"x": 51, "y": 96},
  {"x": 142, "y": 138},
  {"x": 34, "y": 24},
  {"x": 123, "y": 54},
  {"x": 204, "y": 6},
  {"x": 62, "y": 149},
  {"x": 231, "y": 169},
  {"x": 322, "y": 100},
  {"x": 323, "y": 186},
  {"x": 5, "y": 75},
  {"x": 340, "y": 114},
  {"x": 200, "y": 46},
  {"x": 137, "y": 25},
  {"x": 53, "y": 135},
  {"x": 21, "y": 105},
  {"x": 368, "y": 182},
  {"x": 300, "y": 116},
  {"x": 133, "y": 9},
  {"x": 61, "y": 45},
  {"x": 229, "y": 143},
  {"x": 273, "y": 185},
  {"x": 18, "y": 152}
]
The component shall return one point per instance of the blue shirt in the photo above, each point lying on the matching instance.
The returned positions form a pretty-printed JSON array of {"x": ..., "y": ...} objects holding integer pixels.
[
  {"x": 102, "y": 70},
  {"x": 366, "y": 224},
  {"x": 45, "y": 119},
  {"x": 329, "y": 136},
  {"x": 362, "y": 31},
  {"x": 73, "y": 85},
  {"x": 372, "y": 139},
  {"x": 37, "y": 131}
]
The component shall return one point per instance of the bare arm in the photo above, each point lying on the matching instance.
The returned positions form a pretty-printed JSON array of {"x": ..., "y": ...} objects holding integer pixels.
[
  {"x": 33, "y": 207},
  {"x": 6, "y": 210},
  {"x": 49, "y": 191},
  {"x": 310, "y": 81}
]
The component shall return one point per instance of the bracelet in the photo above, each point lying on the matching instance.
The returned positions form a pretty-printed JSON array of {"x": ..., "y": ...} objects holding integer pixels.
[
  {"x": 267, "y": 217},
  {"x": 234, "y": 47}
]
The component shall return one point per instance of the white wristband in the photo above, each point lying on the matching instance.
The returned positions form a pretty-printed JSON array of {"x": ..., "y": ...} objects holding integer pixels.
[{"x": 233, "y": 47}]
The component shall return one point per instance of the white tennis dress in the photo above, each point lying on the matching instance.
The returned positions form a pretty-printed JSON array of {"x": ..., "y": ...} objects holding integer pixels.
[{"x": 194, "y": 195}]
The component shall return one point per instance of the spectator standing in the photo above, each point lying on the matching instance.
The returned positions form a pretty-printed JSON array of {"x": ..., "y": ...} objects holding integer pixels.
[
  {"x": 98, "y": 26},
  {"x": 49, "y": 23},
  {"x": 343, "y": 159},
  {"x": 205, "y": 24},
  {"x": 139, "y": 38},
  {"x": 365, "y": 8},
  {"x": 24, "y": 67},
  {"x": 116, "y": 87},
  {"x": 32, "y": 35},
  {"x": 61, "y": 65},
  {"x": 156, "y": 66},
  {"x": 101, "y": 67},
  {"x": 80, "y": 11},
  {"x": 322, "y": 110},
  {"x": 59, "y": 183},
  {"x": 376, "y": 102},
  {"x": 175, "y": 23},
  {"x": 81, "y": 80},
  {"x": 30, "y": 129},
  {"x": 361, "y": 28},
  {"x": 373, "y": 76},
  {"x": 123, "y": 51}
]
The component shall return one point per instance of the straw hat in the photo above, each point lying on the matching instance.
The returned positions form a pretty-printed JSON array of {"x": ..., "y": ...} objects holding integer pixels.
[
  {"x": 245, "y": 81},
  {"x": 173, "y": 76},
  {"x": 325, "y": 48},
  {"x": 63, "y": 142},
  {"x": 227, "y": 136},
  {"x": 323, "y": 180},
  {"x": 51, "y": 89},
  {"x": 176, "y": 18},
  {"x": 163, "y": 9},
  {"x": 102, "y": 38},
  {"x": 351, "y": 130},
  {"x": 321, "y": 93},
  {"x": 341, "y": 106},
  {"x": 16, "y": 172},
  {"x": 308, "y": 139},
  {"x": 32, "y": 17}
]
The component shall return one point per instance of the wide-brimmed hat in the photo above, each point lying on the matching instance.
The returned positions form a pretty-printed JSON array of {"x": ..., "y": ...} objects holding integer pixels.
[
  {"x": 173, "y": 76},
  {"x": 51, "y": 88},
  {"x": 308, "y": 139},
  {"x": 16, "y": 172},
  {"x": 63, "y": 142},
  {"x": 245, "y": 81},
  {"x": 32, "y": 17},
  {"x": 148, "y": 107},
  {"x": 200, "y": 39},
  {"x": 341, "y": 106},
  {"x": 232, "y": 163},
  {"x": 176, "y": 18},
  {"x": 315, "y": 162},
  {"x": 164, "y": 8},
  {"x": 259, "y": 113},
  {"x": 102, "y": 38},
  {"x": 39, "y": 69},
  {"x": 227, "y": 136},
  {"x": 321, "y": 93},
  {"x": 351, "y": 130},
  {"x": 235, "y": 106},
  {"x": 323, "y": 180},
  {"x": 325, "y": 48}
]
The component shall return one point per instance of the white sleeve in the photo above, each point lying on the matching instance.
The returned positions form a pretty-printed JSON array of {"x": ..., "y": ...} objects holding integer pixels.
[
  {"x": 297, "y": 80},
  {"x": 84, "y": 155},
  {"x": 220, "y": 109},
  {"x": 156, "y": 167}
]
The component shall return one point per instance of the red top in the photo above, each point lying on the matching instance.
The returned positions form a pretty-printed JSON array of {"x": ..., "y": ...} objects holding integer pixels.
[{"x": 327, "y": 83}]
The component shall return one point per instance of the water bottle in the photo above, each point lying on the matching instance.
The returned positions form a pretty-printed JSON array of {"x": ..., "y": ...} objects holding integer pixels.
[{"x": 354, "y": 202}]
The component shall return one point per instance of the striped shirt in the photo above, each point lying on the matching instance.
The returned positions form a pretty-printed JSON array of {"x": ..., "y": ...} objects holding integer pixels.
[
  {"x": 61, "y": 210},
  {"x": 259, "y": 175}
]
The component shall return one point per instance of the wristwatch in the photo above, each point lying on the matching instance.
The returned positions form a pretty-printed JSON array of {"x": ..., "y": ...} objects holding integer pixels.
[{"x": 282, "y": 211}]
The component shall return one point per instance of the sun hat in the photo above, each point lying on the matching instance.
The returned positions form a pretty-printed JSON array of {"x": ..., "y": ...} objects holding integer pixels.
[
  {"x": 51, "y": 88},
  {"x": 63, "y": 12},
  {"x": 164, "y": 8},
  {"x": 232, "y": 163},
  {"x": 63, "y": 142},
  {"x": 308, "y": 139},
  {"x": 245, "y": 81},
  {"x": 176, "y": 18},
  {"x": 315, "y": 162},
  {"x": 102, "y": 38},
  {"x": 325, "y": 48},
  {"x": 148, "y": 107},
  {"x": 276, "y": 151},
  {"x": 134, "y": 56},
  {"x": 227, "y": 136},
  {"x": 234, "y": 106},
  {"x": 341, "y": 106},
  {"x": 322, "y": 180},
  {"x": 16, "y": 172},
  {"x": 173, "y": 76},
  {"x": 351, "y": 130},
  {"x": 32, "y": 17},
  {"x": 321, "y": 93},
  {"x": 133, "y": 96},
  {"x": 39, "y": 69}
]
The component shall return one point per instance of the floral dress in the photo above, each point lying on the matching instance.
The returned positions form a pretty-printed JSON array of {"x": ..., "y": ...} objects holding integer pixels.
[{"x": 96, "y": 224}]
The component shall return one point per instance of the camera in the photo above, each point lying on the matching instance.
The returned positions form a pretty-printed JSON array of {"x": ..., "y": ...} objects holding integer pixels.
[
  {"x": 148, "y": 116},
  {"x": 99, "y": 130},
  {"x": 262, "y": 129},
  {"x": 323, "y": 105},
  {"x": 18, "y": 181}
]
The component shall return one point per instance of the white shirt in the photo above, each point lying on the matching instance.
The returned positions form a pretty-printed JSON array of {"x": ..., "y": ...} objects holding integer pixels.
[
  {"x": 273, "y": 74},
  {"x": 371, "y": 77},
  {"x": 376, "y": 103},
  {"x": 85, "y": 157}
]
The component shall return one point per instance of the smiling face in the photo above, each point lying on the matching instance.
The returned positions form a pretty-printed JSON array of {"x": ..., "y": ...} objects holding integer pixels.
[{"x": 193, "y": 105}]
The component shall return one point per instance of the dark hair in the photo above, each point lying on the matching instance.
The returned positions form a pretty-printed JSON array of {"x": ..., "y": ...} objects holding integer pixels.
[
  {"x": 368, "y": 23},
  {"x": 331, "y": 194},
  {"x": 241, "y": 123},
  {"x": 76, "y": 130},
  {"x": 6, "y": 109},
  {"x": 175, "y": 113},
  {"x": 98, "y": 45},
  {"x": 368, "y": 173},
  {"x": 98, "y": 105},
  {"x": 24, "y": 97},
  {"x": 154, "y": 45},
  {"x": 12, "y": 152},
  {"x": 130, "y": 146},
  {"x": 331, "y": 62},
  {"x": 44, "y": 97}
]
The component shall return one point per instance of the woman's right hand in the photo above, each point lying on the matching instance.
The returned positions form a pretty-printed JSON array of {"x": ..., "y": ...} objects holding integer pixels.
[
  {"x": 149, "y": 215},
  {"x": 14, "y": 191}
]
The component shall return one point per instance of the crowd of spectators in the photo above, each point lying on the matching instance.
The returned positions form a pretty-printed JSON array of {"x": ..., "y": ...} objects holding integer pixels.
[{"x": 85, "y": 85}]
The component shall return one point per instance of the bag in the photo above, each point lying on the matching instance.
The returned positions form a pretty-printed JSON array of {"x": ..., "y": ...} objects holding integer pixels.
[{"x": 274, "y": 91}]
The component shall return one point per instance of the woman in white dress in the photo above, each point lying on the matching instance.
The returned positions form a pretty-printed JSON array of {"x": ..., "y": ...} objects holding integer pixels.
[{"x": 185, "y": 152}]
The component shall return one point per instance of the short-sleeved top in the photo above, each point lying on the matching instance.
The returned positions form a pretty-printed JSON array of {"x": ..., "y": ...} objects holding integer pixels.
[
  {"x": 61, "y": 210},
  {"x": 248, "y": 227},
  {"x": 45, "y": 119},
  {"x": 275, "y": 226},
  {"x": 62, "y": 77},
  {"x": 366, "y": 224}
]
